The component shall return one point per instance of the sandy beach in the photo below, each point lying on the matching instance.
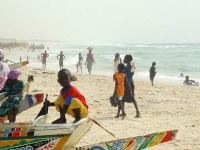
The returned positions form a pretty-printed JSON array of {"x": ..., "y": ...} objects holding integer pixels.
[
  {"x": 104, "y": 32},
  {"x": 164, "y": 106}
]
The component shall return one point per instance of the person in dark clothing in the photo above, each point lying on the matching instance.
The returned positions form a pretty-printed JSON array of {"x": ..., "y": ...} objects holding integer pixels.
[
  {"x": 127, "y": 97},
  {"x": 152, "y": 72}
]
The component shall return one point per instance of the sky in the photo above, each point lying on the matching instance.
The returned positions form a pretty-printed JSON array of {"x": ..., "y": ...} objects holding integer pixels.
[{"x": 101, "y": 21}]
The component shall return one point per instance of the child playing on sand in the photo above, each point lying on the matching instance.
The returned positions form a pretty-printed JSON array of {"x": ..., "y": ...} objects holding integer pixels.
[
  {"x": 120, "y": 78},
  {"x": 152, "y": 72},
  {"x": 70, "y": 101},
  {"x": 129, "y": 73},
  {"x": 14, "y": 89},
  {"x": 190, "y": 82}
]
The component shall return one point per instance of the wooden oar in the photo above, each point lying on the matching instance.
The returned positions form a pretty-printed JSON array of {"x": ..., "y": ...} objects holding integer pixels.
[{"x": 103, "y": 128}]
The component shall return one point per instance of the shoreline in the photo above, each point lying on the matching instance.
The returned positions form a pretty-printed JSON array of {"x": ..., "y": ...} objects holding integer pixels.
[{"x": 99, "y": 68}]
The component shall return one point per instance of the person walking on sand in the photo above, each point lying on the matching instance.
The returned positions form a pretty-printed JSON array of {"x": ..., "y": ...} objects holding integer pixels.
[
  {"x": 129, "y": 73},
  {"x": 152, "y": 72},
  {"x": 79, "y": 64},
  {"x": 89, "y": 60},
  {"x": 117, "y": 61},
  {"x": 4, "y": 69},
  {"x": 120, "y": 79},
  {"x": 44, "y": 59},
  {"x": 61, "y": 57}
]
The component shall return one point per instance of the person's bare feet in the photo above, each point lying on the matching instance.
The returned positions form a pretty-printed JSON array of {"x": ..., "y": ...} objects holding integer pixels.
[
  {"x": 124, "y": 115},
  {"x": 59, "y": 120},
  {"x": 76, "y": 120},
  {"x": 117, "y": 116},
  {"x": 138, "y": 115}
]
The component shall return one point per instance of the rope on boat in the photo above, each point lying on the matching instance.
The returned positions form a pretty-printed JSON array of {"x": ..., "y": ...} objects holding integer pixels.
[{"x": 103, "y": 128}]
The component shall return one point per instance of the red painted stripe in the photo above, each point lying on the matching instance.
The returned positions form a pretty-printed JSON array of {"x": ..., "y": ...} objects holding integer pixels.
[
  {"x": 169, "y": 135},
  {"x": 16, "y": 132}
]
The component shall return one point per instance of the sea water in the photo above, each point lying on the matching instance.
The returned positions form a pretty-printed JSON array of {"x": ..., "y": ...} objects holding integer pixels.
[{"x": 171, "y": 59}]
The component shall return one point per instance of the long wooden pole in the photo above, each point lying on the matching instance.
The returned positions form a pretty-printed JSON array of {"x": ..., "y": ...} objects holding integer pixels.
[{"x": 103, "y": 128}]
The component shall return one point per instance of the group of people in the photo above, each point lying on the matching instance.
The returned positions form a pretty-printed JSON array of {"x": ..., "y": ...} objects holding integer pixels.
[
  {"x": 70, "y": 100},
  {"x": 89, "y": 60},
  {"x": 124, "y": 84}
]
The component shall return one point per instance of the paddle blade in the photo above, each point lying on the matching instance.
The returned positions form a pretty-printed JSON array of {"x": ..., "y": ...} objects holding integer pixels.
[{"x": 44, "y": 109}]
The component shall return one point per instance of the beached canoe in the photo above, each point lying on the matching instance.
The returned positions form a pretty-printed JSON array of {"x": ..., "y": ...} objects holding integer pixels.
[
  {"x": 135, "y": 143},
  {"x": 42, "y": 136},
  {"x": 29, "y": 100},
  {"x": 18, "y": 65}
]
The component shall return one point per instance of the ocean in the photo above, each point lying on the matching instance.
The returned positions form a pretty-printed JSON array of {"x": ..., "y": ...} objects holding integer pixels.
[{"x": 171, "y": 59}]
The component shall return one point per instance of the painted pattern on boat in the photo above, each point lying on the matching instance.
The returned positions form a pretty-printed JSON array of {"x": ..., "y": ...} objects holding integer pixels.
[
  {"x": 28, "y": 101},
  {"x": 135, "y": 143},
  {"x": 42, "y": 136}
]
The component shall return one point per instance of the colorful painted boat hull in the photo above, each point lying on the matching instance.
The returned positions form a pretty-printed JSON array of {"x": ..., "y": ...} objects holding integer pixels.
[
  {"x": 29, "y": 101},
  {"x": 26, "y": 136},
  {"x": 18, "y": 65},
  {"x": 38, "y": 143},
  {"x": 135, "y": 143}
]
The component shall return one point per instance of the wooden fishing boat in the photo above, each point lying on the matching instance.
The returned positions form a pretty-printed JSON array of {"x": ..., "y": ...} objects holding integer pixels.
[
  {"x": 18, "y": 65},
  {"x": 45, "y": 136},
  {"x": 41, "y": 136},
  {"x": 29, "y": 100},
  {"x": 135, "y": 143}
]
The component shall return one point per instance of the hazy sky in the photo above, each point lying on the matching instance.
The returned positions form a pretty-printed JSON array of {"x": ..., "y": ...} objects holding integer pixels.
[{"x": 102, "y": 21}]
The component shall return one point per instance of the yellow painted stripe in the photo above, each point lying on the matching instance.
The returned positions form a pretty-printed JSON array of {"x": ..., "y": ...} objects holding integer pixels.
[
  {"x": 61, "y": 142},
  {"x": 157, "y": 139}
]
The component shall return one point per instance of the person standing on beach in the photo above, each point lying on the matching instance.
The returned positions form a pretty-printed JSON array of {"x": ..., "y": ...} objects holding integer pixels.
[
  {"x": 61, "y": 57},
  {"x": 44, "y": 59},
  {"x": 120, "y": 79},
  {"x": 89, "y": 60},
  {"x": 129, "y": 73},
  {"x": 4, "y": 69},
  {"x": 117, "y": 61},
  {"x": 152, "y": 72},
  {"x": 79, "y": 64}
]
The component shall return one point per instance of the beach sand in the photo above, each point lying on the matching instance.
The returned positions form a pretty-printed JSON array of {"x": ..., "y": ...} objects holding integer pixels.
[{"x": 164, "y": 106}]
